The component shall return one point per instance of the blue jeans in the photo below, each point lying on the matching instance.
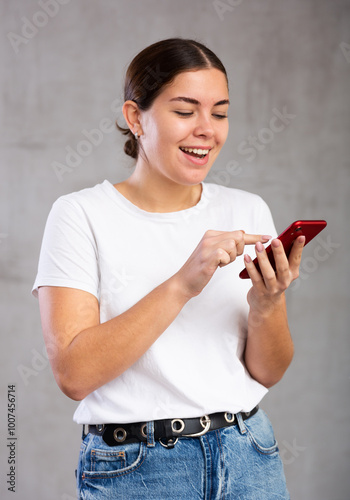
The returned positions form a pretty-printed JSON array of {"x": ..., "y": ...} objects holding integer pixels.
[{"x": 239, "y": 462}]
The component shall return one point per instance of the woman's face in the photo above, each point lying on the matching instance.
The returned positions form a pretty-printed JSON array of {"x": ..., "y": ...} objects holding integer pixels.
[{"x": 186, "y": 126}]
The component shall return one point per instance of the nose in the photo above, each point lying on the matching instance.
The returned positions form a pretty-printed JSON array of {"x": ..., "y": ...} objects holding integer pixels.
[{"x": 204, "y": 126}]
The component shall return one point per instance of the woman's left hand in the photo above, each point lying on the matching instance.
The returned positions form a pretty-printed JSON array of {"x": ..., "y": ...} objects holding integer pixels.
[{"x": 268, "y": 284}]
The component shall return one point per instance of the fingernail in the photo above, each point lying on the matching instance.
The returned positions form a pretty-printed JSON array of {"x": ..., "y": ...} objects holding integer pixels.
[
  {"x": 247, "y": 259},
  {"x": 259, "y": 246},
  {"x": 266, "y": 237}
]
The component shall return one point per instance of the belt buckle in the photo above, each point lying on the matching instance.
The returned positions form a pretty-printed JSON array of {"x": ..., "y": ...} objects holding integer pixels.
[{"x": 205, "y": 423}]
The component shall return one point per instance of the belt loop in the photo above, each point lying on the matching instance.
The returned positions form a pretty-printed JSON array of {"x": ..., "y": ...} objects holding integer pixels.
[
  {"x": 83, "y": 433},
  {"x": 150, "y": 434},
  {"x": 241, "y": 423}
]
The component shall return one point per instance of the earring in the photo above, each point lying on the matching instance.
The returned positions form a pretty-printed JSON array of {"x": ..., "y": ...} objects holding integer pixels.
[{"x": 136, "y": 135}]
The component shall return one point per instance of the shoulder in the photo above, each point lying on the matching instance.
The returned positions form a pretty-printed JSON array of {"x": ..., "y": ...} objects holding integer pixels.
[
  {"x": 80, "y": 209},
  {"x": 85, "y": 203},
  {"x": 84, "y": 197}
]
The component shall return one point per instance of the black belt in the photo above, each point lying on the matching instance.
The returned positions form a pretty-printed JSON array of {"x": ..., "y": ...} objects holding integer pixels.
[{"x": 168, "y": 429}]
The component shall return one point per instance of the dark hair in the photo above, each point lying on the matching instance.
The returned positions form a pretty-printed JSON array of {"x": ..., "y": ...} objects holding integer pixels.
[{"x": 155, "y": 67}]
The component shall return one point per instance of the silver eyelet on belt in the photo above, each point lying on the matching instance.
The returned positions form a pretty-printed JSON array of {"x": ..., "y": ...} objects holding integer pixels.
[
  {"x": 119, "y": 434},
  {"x": 205, "y": 423},
  {"x": 229, "y": 417},
  {"x": 170, "y": 444},
  {"x": 100, "y": 427},
  {"x": 175, "y": 427},
  {"x": 144, "y": 430}
]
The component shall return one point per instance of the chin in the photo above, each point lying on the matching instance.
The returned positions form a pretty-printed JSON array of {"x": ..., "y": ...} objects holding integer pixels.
[
  {"x": 194, "y": 176},
  {"x": 192, "y": 181}
]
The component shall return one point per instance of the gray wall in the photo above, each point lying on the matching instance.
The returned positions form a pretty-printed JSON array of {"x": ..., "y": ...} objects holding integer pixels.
[{"x": 66, "y": 76}]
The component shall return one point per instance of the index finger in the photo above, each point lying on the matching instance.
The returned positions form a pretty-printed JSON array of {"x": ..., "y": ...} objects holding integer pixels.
[{"x": 251, "y": 239}]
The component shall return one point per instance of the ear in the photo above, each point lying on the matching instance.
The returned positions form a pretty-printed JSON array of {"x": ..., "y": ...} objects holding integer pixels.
[{"x": 131, "y": 114}]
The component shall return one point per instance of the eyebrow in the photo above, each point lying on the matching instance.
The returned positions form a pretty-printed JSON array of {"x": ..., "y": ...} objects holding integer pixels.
[{"x": 194, "y": 101}]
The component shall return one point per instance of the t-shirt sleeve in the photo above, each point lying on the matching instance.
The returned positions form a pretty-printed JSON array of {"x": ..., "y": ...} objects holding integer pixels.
[{"x": 68, "y": 256}]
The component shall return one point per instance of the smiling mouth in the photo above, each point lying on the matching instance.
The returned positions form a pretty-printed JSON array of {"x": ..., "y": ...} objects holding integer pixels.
[{"x": 197, "y": 153}]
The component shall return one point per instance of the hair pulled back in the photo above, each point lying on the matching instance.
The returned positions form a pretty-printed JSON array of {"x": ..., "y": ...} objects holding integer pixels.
[{"x": 155, "y": 67}]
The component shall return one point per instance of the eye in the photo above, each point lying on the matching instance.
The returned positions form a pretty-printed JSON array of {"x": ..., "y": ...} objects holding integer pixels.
[
  {"x": 220, "y": 117},
  {"x": 182, "y": 113}
]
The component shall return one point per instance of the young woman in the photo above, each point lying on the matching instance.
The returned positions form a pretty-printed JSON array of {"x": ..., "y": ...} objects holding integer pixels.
[{"x": 152, "y": 329}]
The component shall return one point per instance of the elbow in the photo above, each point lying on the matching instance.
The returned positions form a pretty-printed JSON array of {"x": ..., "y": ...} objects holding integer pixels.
[
  {"x": 71, "y": 391},
  {"x": 271, "y": 382},
  {"x": 268, "y": 376},
  {"x": 70, "y": 386},
  {"x": 70, "y": 377},
  {"x": 73, "y": 394},
  {"x": 269, "y": 379}
]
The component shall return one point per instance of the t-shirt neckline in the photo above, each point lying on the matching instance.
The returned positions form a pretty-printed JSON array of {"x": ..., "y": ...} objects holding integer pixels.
[{"x": 134, "y": 209}]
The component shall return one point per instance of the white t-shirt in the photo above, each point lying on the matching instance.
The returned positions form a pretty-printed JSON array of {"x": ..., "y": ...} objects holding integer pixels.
[{"x": 98, "y": 241}]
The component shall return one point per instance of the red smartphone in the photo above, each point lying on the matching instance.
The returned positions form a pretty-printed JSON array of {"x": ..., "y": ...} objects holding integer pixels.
[{"x": 307, "y": 228}]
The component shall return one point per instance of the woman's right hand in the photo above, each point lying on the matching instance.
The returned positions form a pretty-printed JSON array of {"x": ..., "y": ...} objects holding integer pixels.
[{"x": 216, "y": 249}]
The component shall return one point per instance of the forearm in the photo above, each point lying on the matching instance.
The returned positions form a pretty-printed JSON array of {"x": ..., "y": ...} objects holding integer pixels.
[
  {"x": 101, "y": 353},
  {"x": 88, "y": 354},
  {"x": 269, "y": 348}
]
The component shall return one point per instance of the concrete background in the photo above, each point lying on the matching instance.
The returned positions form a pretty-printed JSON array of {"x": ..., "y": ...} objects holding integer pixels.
[{"x": 62, "y": 74}]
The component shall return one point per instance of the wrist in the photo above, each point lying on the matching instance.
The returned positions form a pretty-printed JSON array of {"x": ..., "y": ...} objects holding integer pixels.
[
  {"x": 176, "y": 288},
  {"x": 265, "y": 305}
]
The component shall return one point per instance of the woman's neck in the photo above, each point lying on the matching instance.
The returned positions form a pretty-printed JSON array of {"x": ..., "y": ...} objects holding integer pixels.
[{"x": 159, "y": 195}]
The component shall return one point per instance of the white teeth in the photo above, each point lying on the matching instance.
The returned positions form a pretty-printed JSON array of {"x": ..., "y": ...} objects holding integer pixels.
[{"x": 196, "y": 151}]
